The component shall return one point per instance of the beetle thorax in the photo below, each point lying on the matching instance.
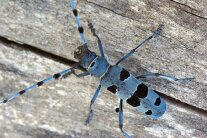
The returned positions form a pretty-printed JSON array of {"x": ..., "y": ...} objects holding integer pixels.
[{"x": 98, "y": 67}]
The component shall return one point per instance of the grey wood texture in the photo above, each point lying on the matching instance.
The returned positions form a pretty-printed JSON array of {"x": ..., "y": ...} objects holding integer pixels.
[{"x": 59, "y": 108}]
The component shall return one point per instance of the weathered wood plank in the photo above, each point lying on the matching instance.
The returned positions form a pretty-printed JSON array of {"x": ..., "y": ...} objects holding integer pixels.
[
  {"x": 120, "y": 24},
  {"x": 59, "y": 108}
]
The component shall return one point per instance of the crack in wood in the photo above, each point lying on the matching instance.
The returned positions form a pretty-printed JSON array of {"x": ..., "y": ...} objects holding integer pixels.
[
  {"x": 138, "y": 21},
  {"x": 192, "y": 9},
  {"x": 187, "y": 11},
  {"x": 15, "y": 45},
  {"x": 26, "y": 47}
]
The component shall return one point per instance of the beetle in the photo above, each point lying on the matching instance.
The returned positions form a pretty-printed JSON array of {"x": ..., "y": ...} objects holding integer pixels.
[{"x": 114, "y": 78}]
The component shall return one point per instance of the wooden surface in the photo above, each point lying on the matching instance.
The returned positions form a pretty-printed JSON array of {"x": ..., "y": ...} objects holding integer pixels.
[{"x": 48, "y": 30}]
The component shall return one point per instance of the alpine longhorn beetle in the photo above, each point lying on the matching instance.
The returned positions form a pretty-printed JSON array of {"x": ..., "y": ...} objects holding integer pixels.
[{"x": 113, "y": 77}]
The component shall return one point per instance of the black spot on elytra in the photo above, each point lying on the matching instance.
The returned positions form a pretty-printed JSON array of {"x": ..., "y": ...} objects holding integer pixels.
[
  {"x": 56, "y": 76},
  {"x": 112, "y": 88},
  {"x": 134, "y": 100},
  {"x": 80, "y": 29},
  {"x": 124, "y": 75},
  {"x": 149, "y": 112},
  {"x": 158, "y": 101},
  {"x": 40, "y": 83},
  {"x": 92, "y": 64},
  {"x": 75, "y": 12},
  {"x": 22, "y": 92},
  {"x": 142, "y": 90}
]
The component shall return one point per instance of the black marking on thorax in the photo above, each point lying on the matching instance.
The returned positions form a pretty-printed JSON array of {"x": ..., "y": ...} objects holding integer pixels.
[
  {"x": 124, "y": 74},
  {"x": 93, "y": 63}
]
